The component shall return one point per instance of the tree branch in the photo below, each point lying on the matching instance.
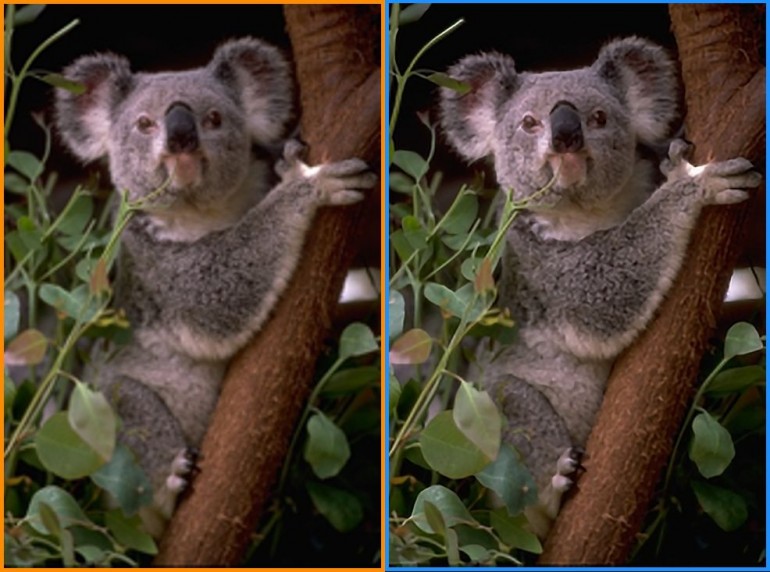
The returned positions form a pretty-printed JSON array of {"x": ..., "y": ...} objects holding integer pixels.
[
  {"x": 653, "y": 382},
  {"x": 336, "y": 52}
]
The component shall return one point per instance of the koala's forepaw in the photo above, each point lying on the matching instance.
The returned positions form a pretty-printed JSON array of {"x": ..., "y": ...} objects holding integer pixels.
[
  {"x": 343, "y": 183},
  {"x": 294, "y": 152},
  {"x": 721, "y": 182},
  {"x": 567, "y": 468}
]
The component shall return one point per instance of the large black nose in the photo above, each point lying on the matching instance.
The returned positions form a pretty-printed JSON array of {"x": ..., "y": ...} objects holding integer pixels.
[
  {"x": 566, "y": 132},
  {"x": 181, "y": 131}
]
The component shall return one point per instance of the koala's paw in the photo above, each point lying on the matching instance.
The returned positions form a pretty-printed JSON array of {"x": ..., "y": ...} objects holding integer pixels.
[
  {"x": 183, "y": 468},
  {"x": 718, "y": 183},
  {"x": 340, "y": 183},
  {"x": 567, "y": 469}
]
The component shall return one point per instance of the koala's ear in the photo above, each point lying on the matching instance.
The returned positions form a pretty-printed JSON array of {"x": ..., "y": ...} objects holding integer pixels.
[
  {"x": 469, "y": 119},
  {"x": 263, "y": 80},
  {"x": 83, "y": 120},
  {"x": 646, "y": 78}
]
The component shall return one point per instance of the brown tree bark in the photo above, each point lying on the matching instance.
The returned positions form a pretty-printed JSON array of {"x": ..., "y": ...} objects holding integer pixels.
[
  {"x": 336, "y": 53},
  {"x": 721, "y": 51}
]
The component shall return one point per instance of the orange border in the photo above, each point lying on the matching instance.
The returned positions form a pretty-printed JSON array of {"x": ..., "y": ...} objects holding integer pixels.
[{"x": 383, "y": 329}]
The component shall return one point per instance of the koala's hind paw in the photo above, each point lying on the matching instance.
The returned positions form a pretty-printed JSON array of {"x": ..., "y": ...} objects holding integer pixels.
[
  {"x": 567, "y": 468},
  {"x": 183, "y": 468}
]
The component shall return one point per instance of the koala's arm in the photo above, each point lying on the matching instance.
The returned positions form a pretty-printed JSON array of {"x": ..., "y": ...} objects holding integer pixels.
[
  {"x": 207, "y": 298},
  {"x": 604, "y": 289}
]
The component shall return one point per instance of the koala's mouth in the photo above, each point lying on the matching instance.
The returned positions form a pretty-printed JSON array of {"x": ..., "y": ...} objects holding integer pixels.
[
  {"x": 185, "y": 170},
  {"x": 571, "y": 169}
]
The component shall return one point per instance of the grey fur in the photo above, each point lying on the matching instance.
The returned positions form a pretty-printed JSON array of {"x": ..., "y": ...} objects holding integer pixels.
[
  {"x": 205, "y": 261},
  {"x": 589, "y": 261}
]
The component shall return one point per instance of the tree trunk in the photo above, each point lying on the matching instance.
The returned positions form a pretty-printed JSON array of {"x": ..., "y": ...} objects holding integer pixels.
[
  {"x": 721, "y": 52},
  {"x": 336, "y": 54}
]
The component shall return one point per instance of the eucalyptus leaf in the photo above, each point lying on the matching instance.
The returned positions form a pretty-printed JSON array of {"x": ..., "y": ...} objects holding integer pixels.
[
  {"x": 341, "y": 508},
  {"x": 411, "y": 163},
  {"x": 462, "y": 214},
  {"x": 478, "y": 418},
  {"x": 327, "y": 448},
  {"x": 737, "y": 379},
  {"x": 93, "y": 419},
  {"x": 412, "y": 13},
  {"x": 712, "y": 448},
  {"x": 413, "y": 347},
  {"x": 27, "y": 14},
  {"x": 510, "y": 480},
  {"x": 130, "y": 532},
  {"x": 396, "y": 313},
  {"x": 727, "y": 509},
  {"x": 28, "y": 348},
  {"x": 742, "y": 338},
  {"x": 125, "y": 480},
  {"x": 513, "y": 531},
  {"x": 66, "y": 508},
  {"x": 443, "y": 80},
  {"x": 26, "y": 164},
  {"x": 452, "y": 509},
  {"x": 62, "y": 451},
  {"x": 357, "y": 340},
  {"x": 11, "y": 314},
  {"x": 448, "y": 451}
]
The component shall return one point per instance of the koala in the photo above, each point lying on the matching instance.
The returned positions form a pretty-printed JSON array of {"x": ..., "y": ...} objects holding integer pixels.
[
  {"x": 215, "y": 241},
  {"x": 602, "y": 236}
]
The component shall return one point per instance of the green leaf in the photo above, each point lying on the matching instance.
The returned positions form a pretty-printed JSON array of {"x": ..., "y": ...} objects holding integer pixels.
[
  {"x": 58, "y": 80},
  {"x": 394, "y": 389},
  {"x": 62, "y": 451},
  {"x": 28, "y": 348},
  {"x": 401, "y": 245},
  {"x": 79, "y": 303},
  {"x": 357, "y": 340},
  {"x": 342, "y": 509},
  {"x": 93, "y": 420},
  {"x": 737, "y": 379},
  {"x": 448, "y": 451},
  {"x": 462, "y": 214},
  {"x": 49, "y": 519},
  {"x": 477, "y": 554},
  {"x": 741, "y": 339},
  {"x": 124, "y": 479},
  {"x": 726, "y": 508},
  {"x": 414, "y": 233},
  {"x": 411, "y": 163},
  {"x": 29, "y": 233},
  {"x": 413, "y": 347},
  {"x": 396, "y": 313},
  {"x": 26, "y": 164},
  {"x": 9, "y": 393},
  {"x": 513, "y": 531},
  {"x": 27, "y": 14},
  {"x": 477, "y": 417},
  {"x": 712, "y": 447},
  {"x": 510, "y": 480},
  {"x": 327, "y": 448},
  {"x": 456, "y": 303},
  {"x": 400, "y": 183},
  {"x": 434, "y": 518},
  {"x": 450, "y": 506},
  {"x": 350, "y": 381},
  {"x": 11, "y": 314},
  {"x": 61, "y": 502},
  {"x": 16, "y": 184},
  {"x": 76, "y": 215},
  {"x": 412, "y": 13},
  {"x": 443, "y": 80},
  {"x": 129, "y": 532}
]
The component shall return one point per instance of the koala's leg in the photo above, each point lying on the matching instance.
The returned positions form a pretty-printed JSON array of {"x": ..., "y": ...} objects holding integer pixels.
[
  {"x": 539, "y": 434},
  {"x": 155, "y": 437}
]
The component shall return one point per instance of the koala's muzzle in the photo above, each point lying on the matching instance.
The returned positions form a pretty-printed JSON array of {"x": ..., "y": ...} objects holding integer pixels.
[
  {"x": 181, "y": 129},
  {"x": 566, "y": 131}
]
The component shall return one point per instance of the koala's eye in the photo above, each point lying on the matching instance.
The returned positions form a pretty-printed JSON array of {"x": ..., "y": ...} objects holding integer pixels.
[
  {"x": 530, "y": 124},
  {"x": 213, "y": 119},
  {"x": 598, "y": 118},
  {"x": 145, "y": 125}
]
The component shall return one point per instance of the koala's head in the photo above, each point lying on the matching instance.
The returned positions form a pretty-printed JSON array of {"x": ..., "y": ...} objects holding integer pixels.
[
  {"x": 192, "y": 131},
  {"x": 582, "y": 125}
]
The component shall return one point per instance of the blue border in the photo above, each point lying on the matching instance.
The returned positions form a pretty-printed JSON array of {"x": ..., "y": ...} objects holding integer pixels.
[{"x": 386, "y": 328}]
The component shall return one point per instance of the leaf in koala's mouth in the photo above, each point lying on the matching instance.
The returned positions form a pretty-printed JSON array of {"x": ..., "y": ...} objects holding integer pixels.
[
  {"x": 185, "y": 169},
  {"x": 571, "y": 167}
]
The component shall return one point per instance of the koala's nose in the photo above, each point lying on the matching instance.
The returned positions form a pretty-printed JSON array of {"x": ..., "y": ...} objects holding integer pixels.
[
  {"x": 181, "y": 131},
  {"x": 566, "y": 132}
]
